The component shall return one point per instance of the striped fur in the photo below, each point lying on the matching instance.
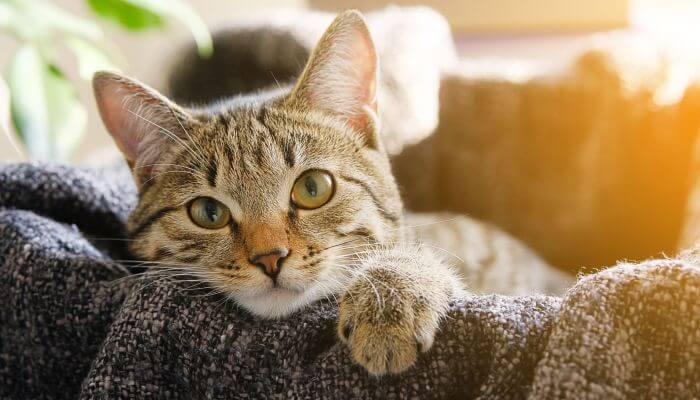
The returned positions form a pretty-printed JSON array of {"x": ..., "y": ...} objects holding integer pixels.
[{"x": 247, "y": 153}]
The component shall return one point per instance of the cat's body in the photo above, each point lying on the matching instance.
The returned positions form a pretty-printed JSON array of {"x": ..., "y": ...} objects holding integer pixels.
[{"x": 284, "y": 198}]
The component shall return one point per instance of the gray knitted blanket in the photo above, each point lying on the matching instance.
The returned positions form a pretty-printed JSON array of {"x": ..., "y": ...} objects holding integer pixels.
[{"x": 76, "y": 323}]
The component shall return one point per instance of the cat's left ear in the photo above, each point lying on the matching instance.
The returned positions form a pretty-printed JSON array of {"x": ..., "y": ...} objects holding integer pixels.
[
  {"x": 341, "y": 76},
  {"x": 143, "y": 123}
]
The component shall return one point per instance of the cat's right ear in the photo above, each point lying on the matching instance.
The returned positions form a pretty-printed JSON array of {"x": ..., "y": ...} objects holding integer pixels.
[
  {"x": 143, "y": 123},
  {"x": 341, "y": 76}
]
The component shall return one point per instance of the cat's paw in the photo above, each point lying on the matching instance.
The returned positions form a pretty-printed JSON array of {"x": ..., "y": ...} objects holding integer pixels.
[{"x": 385, "y": 322}]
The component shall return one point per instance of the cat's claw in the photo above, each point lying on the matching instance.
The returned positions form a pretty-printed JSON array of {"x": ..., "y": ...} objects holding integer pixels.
[{"x": 385, "y": 329}]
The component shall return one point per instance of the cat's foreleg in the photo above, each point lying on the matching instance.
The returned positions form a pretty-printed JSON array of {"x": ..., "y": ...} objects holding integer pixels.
[{"x": 392, "y": 308}]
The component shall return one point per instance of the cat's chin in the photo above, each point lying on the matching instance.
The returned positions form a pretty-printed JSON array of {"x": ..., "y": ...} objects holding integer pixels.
[{"x": 276, "y": 302}]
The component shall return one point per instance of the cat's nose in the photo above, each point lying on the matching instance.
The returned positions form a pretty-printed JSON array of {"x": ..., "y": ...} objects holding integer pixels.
[{"x": 270, "y": 262}]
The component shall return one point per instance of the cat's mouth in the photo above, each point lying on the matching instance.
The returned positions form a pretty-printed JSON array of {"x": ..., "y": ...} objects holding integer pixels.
[
  {"x": 275, "y": 301},
  {"x": 297, "y": 285},
  {"x": 280, "y": 288},
  {"x": 290, "y": 292}
]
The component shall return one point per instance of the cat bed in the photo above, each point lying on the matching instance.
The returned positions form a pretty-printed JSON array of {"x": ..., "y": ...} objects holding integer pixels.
[{"x": 75, "y": 322}]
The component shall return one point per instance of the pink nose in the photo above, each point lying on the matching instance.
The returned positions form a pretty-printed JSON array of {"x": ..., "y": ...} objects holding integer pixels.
[{"x": 271, "y": 261}]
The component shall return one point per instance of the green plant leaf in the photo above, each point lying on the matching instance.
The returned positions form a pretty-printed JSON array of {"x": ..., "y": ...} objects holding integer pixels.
[
  {"x": 46, "y": 111},
  {"x": 38, "y": 20},
  {"x": 63, "y": 21},
  {"x": 4, "y": 108},
  {"x": 90, "y": 58},
  {"x": 128, "y": 14},
  {"x": 5, "y": 116},
  {"x": 181, "y": 11}
]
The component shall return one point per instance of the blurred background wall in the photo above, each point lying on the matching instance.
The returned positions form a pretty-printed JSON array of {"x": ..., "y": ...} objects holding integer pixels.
[{"x": 531, "y": 29}]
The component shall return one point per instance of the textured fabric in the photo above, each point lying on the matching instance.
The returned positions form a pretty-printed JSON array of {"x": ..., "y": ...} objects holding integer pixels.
[{"x": 74, "y": 323}]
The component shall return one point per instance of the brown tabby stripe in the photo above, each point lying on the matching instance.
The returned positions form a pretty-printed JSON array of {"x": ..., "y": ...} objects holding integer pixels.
[
  {"x": 234, "y": 226},
  {"x": 390, "y": 216},
  {"x": 229, "y": 153},
  {"x": 187, "y": 259},
  {"x": 315, "y": 126},
  {"x": 225, "y": 120},
  {"x": 361, "y": 231},
  {"x": 293, "y": 212},
  {"x": 212, "y": 170},
  {"x": 259, "y": 153},
  {"x": 285, "y": 146},
  {"x": 162, "y": 253},
  {"x": 152, "y": 219},
  {"x": 189, "y": 246},
  {"x": 288, "y": 151}
]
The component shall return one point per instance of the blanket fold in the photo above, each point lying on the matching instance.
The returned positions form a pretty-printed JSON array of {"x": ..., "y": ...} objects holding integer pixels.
[{"x": 76, "y": 323}]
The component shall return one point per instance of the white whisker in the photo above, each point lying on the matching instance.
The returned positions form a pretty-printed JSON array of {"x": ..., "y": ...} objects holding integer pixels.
[{"x": 170, "y": 134}]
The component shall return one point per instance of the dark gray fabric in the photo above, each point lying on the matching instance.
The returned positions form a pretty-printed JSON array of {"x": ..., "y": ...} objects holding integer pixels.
[{"x": 71, "y": 328}]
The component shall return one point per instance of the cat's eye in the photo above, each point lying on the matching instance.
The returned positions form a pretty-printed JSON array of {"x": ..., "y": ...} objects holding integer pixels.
[
  {"x": 312, "y": 189},
  {"x": 209, "y": 213}
]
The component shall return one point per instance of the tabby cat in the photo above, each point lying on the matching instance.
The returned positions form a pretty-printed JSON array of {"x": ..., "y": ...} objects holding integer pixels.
[{"x": 285, "y": 197}]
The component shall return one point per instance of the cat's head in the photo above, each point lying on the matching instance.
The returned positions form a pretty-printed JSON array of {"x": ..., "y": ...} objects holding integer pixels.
[{"x": 267, "y": 198}]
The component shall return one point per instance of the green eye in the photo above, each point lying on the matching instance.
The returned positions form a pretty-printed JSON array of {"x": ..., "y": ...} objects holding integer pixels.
[
  {"x": 209, "y": 213},
  {"x": 312, "y": 189}
]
